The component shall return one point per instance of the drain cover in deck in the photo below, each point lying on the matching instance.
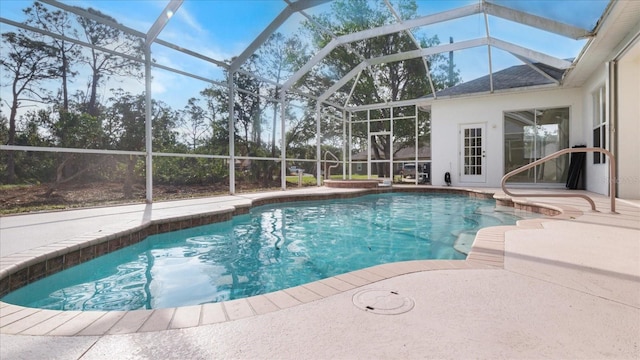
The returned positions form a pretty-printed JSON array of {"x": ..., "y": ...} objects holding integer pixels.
[{"x": 385, "y": 302}]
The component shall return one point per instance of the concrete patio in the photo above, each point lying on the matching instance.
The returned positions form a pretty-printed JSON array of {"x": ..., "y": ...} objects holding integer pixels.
[{"x": 560, "y": 287}]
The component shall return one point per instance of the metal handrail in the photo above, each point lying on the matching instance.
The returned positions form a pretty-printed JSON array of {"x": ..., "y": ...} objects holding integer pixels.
[
  {"x": 612, "y": 176},
  {"x": 327, "y": 171}
]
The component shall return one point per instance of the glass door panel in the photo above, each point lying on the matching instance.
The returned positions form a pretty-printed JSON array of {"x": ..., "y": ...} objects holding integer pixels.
[
  {"x": 519, "y": 145},
  {"x": 552, "y": 135},
  {"x": 530, "y": 135}
]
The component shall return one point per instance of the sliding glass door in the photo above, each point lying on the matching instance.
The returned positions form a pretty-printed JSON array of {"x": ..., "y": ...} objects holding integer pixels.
[{"x": 533, "y": 134}]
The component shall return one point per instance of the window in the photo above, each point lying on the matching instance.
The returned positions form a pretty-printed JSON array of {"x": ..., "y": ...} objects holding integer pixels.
[
  {"x": 532, "y": 134},
  {"x": 599, "y": 124}
]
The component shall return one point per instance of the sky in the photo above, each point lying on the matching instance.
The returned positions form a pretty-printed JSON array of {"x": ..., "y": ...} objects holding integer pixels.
[{"x": 221, "y": 29}]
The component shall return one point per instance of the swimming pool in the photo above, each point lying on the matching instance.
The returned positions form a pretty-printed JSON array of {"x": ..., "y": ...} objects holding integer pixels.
[{"x": 272, "y": 248}]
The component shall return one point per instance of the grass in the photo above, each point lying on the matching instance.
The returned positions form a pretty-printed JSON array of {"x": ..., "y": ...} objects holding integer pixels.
[
  {"x": 310, "y": 180},
  {"x": 13, "y": 187}
]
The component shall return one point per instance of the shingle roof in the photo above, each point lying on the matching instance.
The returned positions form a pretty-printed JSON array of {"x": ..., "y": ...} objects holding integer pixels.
[{"x": 518, "y": 76}]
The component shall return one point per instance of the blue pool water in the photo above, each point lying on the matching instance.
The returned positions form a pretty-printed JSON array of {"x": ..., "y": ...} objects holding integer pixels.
[{"x": 272, "y": 248}]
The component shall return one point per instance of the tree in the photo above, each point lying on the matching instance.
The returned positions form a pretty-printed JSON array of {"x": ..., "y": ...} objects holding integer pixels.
[
  {"x": 26, "y": 63},
  {"x": 57, "y": 22},
  {"x": 216, "y": 111},
  {"x": 195, "y": 123},
  {"x": 71, "y": 129},
  {"x": 277, "y": 60},
  {"x": 104, "y": 65},
  {"x": 125, "y": 124},
  {"x": 387, "y": 82},
  {"x": 247, "y": 107}
]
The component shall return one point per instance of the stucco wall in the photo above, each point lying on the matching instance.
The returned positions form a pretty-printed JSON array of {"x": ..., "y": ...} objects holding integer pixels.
[
  {"x": 448, "y": 114},
  {"x": 597, "y": 175},
  {"x": 628, "y": 130}
]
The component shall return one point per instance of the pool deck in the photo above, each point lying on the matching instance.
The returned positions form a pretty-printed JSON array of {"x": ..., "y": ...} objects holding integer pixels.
[{"x": 557, "y": 287}]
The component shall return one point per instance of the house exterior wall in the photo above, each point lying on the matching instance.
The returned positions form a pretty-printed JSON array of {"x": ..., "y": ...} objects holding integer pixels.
[
  {"x": 628, "y": 128},
  {"x": 449, "y": 114},
  {"x": 597, "y": 175}
]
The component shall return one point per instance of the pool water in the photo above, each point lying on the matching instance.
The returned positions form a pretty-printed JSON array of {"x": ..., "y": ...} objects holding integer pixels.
[{"x": 272, "y": 248}]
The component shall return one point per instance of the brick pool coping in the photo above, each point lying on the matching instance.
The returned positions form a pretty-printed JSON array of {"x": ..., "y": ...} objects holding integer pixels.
[{"x": 22, "y": 268}]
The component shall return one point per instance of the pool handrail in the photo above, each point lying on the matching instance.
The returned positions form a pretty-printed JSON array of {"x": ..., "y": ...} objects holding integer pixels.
[
  {"x": 327, "y": 171},
  {"x": 612, "y": 176}
]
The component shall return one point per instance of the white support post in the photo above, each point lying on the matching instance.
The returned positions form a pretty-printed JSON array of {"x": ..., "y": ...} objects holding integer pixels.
[
  {"x": 318, "y": 148},
  {"x": 344, "y": 144},
  {"x": 350, "y": 144},
  {"x": 486, "y": 26},
  {"x": 415, "y": 125},
  {"x": 232, "y": 127},
  {"x": 148, "y": 126},
  {"x": 369, "y": 143},
  {"x": 391, "y": 143},
  {"x": 283, "y": 141}
]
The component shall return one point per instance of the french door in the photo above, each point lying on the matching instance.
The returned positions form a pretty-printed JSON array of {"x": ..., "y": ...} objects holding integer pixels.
[{"x": 472, "y": 153}]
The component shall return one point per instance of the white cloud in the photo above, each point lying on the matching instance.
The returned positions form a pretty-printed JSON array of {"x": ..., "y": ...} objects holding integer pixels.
[{"x": 184, "y": 15}]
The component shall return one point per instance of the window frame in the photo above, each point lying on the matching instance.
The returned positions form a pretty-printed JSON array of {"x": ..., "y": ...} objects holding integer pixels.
[{"x": 600, "y": 124}]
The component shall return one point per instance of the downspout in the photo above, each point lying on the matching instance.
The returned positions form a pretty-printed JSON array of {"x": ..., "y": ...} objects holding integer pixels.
[{"x": 612, "y": 113}]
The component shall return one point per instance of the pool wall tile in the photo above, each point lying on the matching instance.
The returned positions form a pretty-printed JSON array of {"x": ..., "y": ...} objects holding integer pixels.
[
  {"x": 197, "y": 221},
  {"x": 5, "y": 286},
  {"x": 19, "y": 278},
  {"x": 37, "y": 271},
  {"x": 238, "y": 309},
  {"x": 88, "y": 253},
  {"x": 125, "y": 240},
  {"x": 185, "y": 224},
  {"x": 136, "y": 237},
  {"x": 158, "y": 320},
  {"x": 72, "y": 259},
  {"x": 115, "y": 244},
  {"x": 55, "y": 265},
  {"x": 103, "y": 324},
  {"x": 164, "y": 227},
  {"x": 212, "y": 313},
  {"x": 101, "y": 249},
  {"x": 261, "y": 304},
  {"x": 242, "y": 210}
]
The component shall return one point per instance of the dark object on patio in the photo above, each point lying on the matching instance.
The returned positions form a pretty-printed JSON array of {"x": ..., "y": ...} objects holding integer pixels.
[
  {"x": 447, "y": 178},
  {"x": 576, "y": 168}
]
